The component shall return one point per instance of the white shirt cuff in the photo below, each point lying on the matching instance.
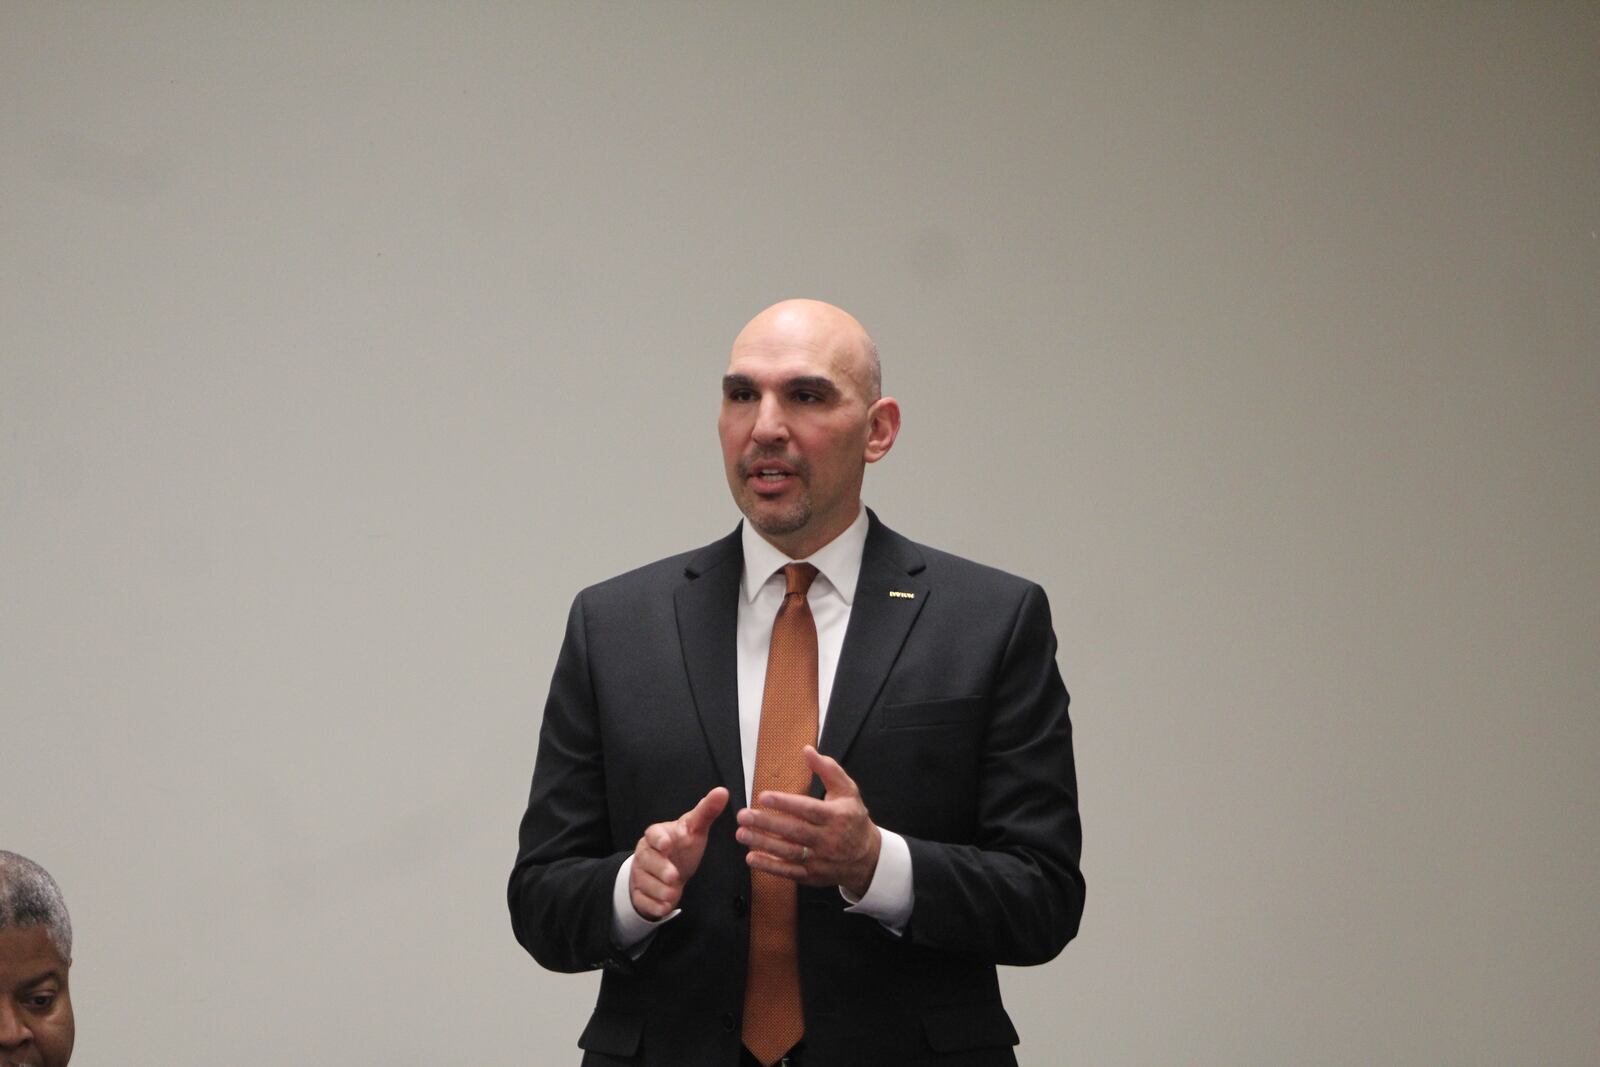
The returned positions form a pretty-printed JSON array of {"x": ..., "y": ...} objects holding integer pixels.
[
  {"x": 888, "y": 898},
  {"x": 631, "y": 931}
]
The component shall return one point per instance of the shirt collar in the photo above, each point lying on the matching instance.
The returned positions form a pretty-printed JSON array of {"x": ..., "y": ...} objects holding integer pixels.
[{"x": 839, "y": 560}]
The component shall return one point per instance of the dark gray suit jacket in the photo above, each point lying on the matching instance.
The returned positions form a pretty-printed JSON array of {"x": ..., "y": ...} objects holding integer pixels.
[{"x": 947, "y": 710}]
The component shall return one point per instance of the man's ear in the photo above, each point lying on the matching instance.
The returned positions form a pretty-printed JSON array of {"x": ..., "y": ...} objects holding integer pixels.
[{"x": 883, "y": 426}]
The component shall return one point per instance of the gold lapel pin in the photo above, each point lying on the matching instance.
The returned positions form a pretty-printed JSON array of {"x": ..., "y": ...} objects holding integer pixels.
[{"x": 902, "y": 596}]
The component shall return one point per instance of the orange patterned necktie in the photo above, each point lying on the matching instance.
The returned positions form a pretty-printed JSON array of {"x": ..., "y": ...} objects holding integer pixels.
[{"x": 773, "y": 1018}]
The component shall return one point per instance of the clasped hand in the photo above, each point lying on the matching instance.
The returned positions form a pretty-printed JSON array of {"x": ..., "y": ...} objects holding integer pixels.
[{"x": 831, "y": 841}]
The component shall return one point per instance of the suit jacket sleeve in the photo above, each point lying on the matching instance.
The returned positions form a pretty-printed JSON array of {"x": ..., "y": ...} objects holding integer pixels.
[
  {"x": 1011, "y": 892},
  {"x": 567, "y": 862}
]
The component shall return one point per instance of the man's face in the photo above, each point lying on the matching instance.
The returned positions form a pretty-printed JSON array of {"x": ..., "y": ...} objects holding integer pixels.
[
  {"x": 798, "y": 425},
  {"x": 36, "y": 1028}
]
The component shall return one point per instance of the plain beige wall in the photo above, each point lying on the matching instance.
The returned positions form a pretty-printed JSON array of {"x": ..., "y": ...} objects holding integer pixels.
[{"x": 340, "y": 344}]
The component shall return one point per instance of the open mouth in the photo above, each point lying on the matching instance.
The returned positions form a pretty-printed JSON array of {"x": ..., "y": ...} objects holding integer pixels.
[{"x": 769, "y": 474}]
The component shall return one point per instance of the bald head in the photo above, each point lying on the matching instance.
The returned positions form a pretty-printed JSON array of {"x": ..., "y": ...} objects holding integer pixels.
[
  {"x": 822, "y": 328},
  {"x": 802, "y": 415}
]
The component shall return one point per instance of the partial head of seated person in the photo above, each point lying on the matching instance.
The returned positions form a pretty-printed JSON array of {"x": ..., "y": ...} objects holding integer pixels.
[{"x": 36, "y": 1027}]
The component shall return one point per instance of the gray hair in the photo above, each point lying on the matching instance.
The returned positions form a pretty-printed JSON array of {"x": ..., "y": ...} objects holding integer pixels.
[{"x": 30, "y": 897}]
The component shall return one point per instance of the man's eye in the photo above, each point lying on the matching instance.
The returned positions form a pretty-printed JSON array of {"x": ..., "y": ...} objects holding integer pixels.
[
  {"x": 740, "y": 396},
  {"x": 804, "y": 397},
  {"x": 39, "y": 1001}
]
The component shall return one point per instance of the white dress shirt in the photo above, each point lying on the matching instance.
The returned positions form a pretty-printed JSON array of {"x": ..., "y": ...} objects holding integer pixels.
[{"x": 888, "y": 899}]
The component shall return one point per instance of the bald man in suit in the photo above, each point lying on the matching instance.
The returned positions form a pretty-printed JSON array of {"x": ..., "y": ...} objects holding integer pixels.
[{"x": 934, "y": 833}]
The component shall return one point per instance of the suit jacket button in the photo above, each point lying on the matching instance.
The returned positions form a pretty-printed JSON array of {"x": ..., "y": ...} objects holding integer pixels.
[
  {"x": 729, "y": 1022},
  {"x": 740, "y": 905}
]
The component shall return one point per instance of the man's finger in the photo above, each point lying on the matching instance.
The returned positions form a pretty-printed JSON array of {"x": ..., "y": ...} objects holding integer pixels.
[
  {"x": 659, "y": 836},
  {"x": 648, "y": 906},
  {"x": 652, "y": 887},
  {"x": 700, "y": 817},
  {"x": 807, "y": 809},
  {"x": 656, "y": 866},
  {"x": 773, "y": 844},
  {"x": 794, "y": 872},
  {"x": 835, "y": 782}
]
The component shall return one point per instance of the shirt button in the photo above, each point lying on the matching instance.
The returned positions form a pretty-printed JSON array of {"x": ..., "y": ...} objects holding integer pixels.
[
  {"x": 740, "y": 905},
  {"x": 729, "y": 1022}
]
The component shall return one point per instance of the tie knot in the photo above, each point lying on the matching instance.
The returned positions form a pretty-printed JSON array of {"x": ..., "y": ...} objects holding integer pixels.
[{"x": 798, "y": 576}]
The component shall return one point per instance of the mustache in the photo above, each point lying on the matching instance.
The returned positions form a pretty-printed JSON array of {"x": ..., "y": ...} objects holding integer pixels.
[{"x": 762, "y": 455}]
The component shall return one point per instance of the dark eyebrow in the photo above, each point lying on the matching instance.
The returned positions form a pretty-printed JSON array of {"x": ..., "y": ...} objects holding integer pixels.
[
  {"x": 814, "y": 383},
  {"x": 52, "y": 975}
]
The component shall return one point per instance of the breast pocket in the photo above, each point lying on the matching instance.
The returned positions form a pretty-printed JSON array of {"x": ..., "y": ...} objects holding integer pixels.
[
  {"x": 918, "y": 771},
  {"x": 928, "y": 714}
]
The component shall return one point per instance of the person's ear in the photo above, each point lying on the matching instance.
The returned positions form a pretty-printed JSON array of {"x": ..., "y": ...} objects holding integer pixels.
[{"x": 883, "y": 426}]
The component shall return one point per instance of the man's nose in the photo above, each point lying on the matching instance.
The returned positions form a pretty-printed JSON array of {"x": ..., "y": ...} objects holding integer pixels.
[
  {"x": 770, "y": 425},
  {"x": 13, "y": 1032}
]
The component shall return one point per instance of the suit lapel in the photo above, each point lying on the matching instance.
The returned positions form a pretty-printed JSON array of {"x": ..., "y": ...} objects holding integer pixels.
[
  {"x": 879, "y": 624},
  {"x": 707, "y": 611}
]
